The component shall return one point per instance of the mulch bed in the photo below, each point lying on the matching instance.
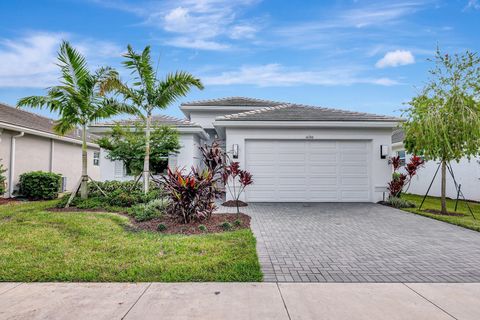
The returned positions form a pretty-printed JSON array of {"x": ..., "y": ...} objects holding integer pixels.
[
  {"x": 438, "y": 212},
  {"x": 233, "y": 203},
  {"x": 8, "y": 200},
  {"x": 213, "y": 224}
]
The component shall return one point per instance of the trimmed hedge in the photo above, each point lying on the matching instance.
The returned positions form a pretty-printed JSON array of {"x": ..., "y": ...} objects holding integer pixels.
[{"x": 40, "y": 185}]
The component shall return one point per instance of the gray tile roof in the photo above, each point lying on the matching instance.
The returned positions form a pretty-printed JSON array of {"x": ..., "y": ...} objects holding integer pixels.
[
  {"x": 398, "y": 136},
  {"x": 298, "y": 112},
  {"x": 29, "y": 120},
  {"x": 233, "y": 102},
  {"x": 156, "y": 119}
]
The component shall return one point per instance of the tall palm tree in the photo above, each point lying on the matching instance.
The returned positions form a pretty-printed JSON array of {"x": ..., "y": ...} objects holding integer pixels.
[
  {"x": 148, "y": 93},
  {"x": 78, "y": 100}
]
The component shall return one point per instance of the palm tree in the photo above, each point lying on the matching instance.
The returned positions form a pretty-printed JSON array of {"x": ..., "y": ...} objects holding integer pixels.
[
  {"x": 78, "y": 100},
  {"x": 147, "y": 93}
]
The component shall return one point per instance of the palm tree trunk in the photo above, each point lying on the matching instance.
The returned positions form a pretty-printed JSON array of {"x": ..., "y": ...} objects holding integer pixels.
[
  {"x": 146, "y": 161},
  {"x": 84, "y": 186},
  {"x": 444, "y": 187}
]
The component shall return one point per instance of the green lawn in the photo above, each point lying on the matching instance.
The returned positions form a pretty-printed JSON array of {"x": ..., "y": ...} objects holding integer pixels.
[
  {"x": 38, "y": 245},
  {"x": 466, "y": 221}
]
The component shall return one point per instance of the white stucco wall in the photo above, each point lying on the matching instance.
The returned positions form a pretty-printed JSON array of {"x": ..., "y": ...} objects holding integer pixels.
[
  {"x": 188, "y": 156},
  {"x": 34, "y": 153},
  {"x": 467, "y": 173},
  {"x": 380, "y": 169}
]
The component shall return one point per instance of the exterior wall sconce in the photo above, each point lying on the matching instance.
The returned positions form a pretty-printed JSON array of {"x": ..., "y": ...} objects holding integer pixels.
[
  {"x": 235, "y": 151},
  {"x": 383, "y": 151}
]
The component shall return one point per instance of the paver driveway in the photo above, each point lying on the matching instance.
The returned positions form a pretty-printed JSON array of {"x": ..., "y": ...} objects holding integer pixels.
[{"x": 360, "y": 242}]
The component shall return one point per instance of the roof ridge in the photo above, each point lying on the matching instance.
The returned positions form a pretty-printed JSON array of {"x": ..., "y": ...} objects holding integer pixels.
[
  {"x": 229, "y": 98},
  {"x": 256, "y": 111},
  {"x": 178, "y": 121},
  {"x": 342, "y": 110}
]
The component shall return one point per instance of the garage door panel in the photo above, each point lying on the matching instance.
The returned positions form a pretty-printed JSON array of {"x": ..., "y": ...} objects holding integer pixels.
[
  {"x": 353, "y": 145},
  {"x": 323, "y": 157},
  {"x": 303, "y": 170},
  {"x": 323, "y": 181},
  {"x": 318, "y": 169},
  {"x": 354, "y": 181},
  {"x": 353, "y": 157},
  {"x": 354, "y": 169}
]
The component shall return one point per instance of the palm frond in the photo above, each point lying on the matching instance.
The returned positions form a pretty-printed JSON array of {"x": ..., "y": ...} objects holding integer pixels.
[
  {"x": 111, "y": 107},
  {"x": 141, "y": 67},
  {"x": 73, "y": 66},
  {"x": 175, "y": 86}
]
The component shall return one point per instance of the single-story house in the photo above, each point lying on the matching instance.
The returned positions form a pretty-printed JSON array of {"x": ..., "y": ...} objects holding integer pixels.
[
  {"x": 296, "y": 153},
  {"x": 28, "y": 143},
  {"x": 467, "y": 173}
]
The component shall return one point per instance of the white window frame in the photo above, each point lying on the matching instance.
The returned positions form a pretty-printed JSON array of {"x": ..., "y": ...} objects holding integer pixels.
[{"x": 96, "y": 158}]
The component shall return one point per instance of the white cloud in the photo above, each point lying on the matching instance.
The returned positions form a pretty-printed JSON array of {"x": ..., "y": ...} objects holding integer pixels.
[
  {"x": 379, "y": 13},
  {"x": 198, "y": 24},
  {"x": 197, "y": 44},
  {"x": 30, "y": 61},
  {"x": 473, "y": 4},
  {"x": 276, "y": 75},
  {"x": 396, "y": 58},
  {"x": 243, "y": 32}
]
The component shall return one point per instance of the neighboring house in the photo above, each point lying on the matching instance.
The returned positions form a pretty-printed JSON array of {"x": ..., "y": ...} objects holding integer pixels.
[
  {"x": 467, "y": 173},
  {"x": 190, "y": 135},
  {"x": 28, "y": 143},
  {"x": 296, "y": 153}
]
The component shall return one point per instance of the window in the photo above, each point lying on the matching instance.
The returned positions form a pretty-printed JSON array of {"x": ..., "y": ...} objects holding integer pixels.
[
  {"x": 96, "y": 158},
  {"x": 401, "y": 155}
]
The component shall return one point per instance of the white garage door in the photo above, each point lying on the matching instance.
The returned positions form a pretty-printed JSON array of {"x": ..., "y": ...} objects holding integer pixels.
[{"x": 308, "y": 171}]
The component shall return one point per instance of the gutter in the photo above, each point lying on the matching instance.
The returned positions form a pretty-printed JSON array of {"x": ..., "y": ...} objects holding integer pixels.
[
  {"x": 45, "y": 134},
  {"x": 11, "y": 169},
  {"x": 219, "y": 122}
]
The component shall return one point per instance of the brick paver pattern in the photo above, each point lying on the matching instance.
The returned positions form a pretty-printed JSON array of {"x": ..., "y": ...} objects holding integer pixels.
[{"x": 360, "y": 242}]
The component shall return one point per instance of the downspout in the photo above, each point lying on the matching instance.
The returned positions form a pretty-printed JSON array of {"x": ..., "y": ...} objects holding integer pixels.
[{"x": 11, "y": 170}]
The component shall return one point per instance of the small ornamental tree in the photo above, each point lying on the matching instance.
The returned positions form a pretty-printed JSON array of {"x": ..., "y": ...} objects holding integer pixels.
[
  {"x": 128, "y": 146},
  {"x": 3, "y": 187},
  {"x": 400, "y": 179},
  {"x": 443, "y": 120},
  {"x": 236, "y": 181}
]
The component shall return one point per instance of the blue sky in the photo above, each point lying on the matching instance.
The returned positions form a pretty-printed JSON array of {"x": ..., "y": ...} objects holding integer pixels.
[{"x": 359, "y": 55}]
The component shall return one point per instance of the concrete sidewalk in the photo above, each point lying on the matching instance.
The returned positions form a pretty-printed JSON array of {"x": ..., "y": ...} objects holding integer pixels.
[{"x": 214, "y": 301}]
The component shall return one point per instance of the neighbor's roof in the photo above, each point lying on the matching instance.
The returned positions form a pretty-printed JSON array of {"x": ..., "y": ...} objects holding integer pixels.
[
  {"x": 233, "y": 102},
  {"x": 28, "y": 120},
  {"x": 398, "y": 136},
  {"x": 156, "y": 120},
  {"x": 298, "y": 112}
]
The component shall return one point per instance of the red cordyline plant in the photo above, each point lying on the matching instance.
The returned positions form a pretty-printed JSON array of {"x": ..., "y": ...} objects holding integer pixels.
[
  {"x": 239, "y": 179},
  {"x": 400, "y": 180},
  {"x": 192, "y": 195}
]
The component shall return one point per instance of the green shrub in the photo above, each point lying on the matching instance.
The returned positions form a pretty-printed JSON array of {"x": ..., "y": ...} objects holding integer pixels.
[
  {"x": 90, "y": 203},
  {"x": 237, "y": 223},
  {"x": 39, "y": 185},
  {"x": 161, "y": 227},
  {"x": 148, "y": 211},
  {"x": 3, "y": 187},
  {"x": 120, "y": 198},
  {"x": 226, "y": 226},
  {"x": 202, "y": 228},
  {"x": 400, "y": 203}
]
